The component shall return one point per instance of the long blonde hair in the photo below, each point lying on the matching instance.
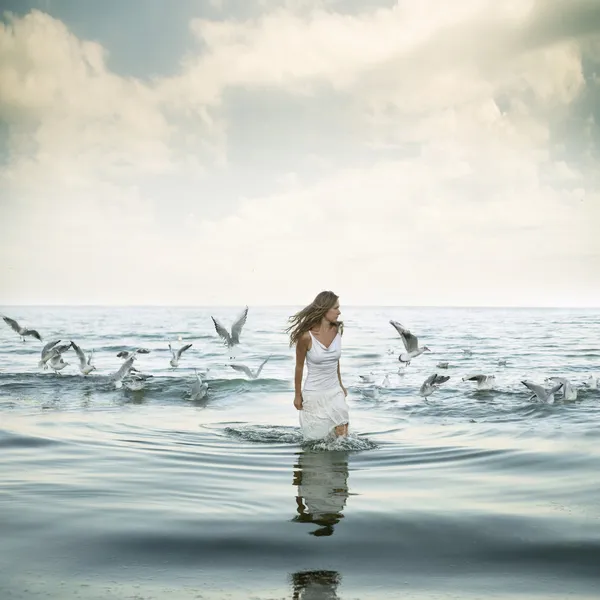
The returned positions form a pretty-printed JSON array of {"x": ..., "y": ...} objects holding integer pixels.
[{"x": 311, "y": 315}]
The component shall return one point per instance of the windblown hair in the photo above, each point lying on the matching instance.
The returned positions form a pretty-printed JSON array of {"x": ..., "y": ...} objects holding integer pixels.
[{"x": 311, "y": 315}]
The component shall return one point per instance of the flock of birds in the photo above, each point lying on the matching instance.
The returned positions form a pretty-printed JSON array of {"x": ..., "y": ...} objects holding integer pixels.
[
  {"x": 127, "y": 375},
  {"x": 483, "y": 381},
  {"x": 131, "y": 378}
]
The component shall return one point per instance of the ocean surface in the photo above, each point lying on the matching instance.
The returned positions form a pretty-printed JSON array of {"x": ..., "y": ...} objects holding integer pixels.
[{"x": 111, "y": 493}]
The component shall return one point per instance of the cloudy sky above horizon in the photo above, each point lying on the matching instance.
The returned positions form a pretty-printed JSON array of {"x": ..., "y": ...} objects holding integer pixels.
[{"x": 257, "y": 151}]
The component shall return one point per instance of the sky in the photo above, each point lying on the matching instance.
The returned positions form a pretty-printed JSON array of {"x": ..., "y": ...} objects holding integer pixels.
[{"x": 233, "y": 152}]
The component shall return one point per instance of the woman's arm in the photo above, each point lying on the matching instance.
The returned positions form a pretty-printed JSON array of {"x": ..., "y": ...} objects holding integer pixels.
[
  {"x": 301, "y": 349},
  {"x": 340, "y": 378}
]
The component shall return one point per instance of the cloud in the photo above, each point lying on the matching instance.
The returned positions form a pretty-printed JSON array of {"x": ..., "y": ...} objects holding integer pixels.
[{"x": 454, "y": 124}]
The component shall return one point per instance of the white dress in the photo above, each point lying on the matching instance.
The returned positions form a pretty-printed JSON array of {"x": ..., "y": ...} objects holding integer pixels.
[{"x": 323, "y": 402}]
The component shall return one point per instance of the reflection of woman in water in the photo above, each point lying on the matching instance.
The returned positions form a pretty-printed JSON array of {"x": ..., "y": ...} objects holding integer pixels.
[
  {"x": 317, "y": 334},
  {"x": 322, "y": 480},
  {"x": 315, "y": 585}
]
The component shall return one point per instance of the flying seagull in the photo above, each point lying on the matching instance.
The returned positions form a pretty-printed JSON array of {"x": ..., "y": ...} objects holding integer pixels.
[
  {"x": 432, "y": 383},
  {"x": 123, "y": 371},
  {"x": 249, "y": 372},
  {"x": 174, "y": 362},
  {"x": 542, "y": 394},
  {"x": 411, "y": 343},
  {"x": 57, "y": 363},
  {"x": 484, "y": 382},
  {"x": 85, "y": 365},
  {"x": 233, "y": 338},
  {"x": 22, "y": 331},
  {"x": 52, "y": 350}
]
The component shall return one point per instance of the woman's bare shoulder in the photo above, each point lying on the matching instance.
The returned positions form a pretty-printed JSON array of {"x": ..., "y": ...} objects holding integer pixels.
[{"x": 304, "y": 340}]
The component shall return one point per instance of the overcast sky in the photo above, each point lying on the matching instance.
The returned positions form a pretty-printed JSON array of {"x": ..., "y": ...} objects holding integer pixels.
[{"x": 235, "y": 152}]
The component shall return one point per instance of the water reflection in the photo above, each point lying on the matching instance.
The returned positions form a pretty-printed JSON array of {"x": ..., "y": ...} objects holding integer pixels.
[
  {"x": 315, "y": 585},
  {"x": 322, "y": 480}
]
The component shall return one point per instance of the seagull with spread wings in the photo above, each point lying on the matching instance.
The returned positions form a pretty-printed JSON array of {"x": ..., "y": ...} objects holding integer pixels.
[
  {"x": 432, "y": 383},
  {"x": 541, "y": 393},
  {"x": 176, "y": 354},
  {"x": 85, "y": 363},
  {"x": 411, "y": 343},
  {"x": 249, "y": 372},
  {"x": 484, "y": 382},
  {"x": 233, "y": 338},
  {"x": 22, "y": 331}
]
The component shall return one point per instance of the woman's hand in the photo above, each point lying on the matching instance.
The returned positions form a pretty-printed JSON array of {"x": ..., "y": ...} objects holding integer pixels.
[{"x": 298, "y": 401}]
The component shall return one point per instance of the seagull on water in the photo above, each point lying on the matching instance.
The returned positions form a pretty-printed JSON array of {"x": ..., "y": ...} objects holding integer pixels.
[
  {"x": 22, "y": 331},
  {"x": 443, "y": 365},
  {"x": 135, "y": 380},
  {"x": 249, "y": 372},
  {"x": 568, "y": 391},
  {"x": 432, "y": 383},
  {"x": 541, "y": 393},
  {"x": 233, "y": 338},
  {"x": 85, "y": 364},
  {"x": 174, "y": 362},
  {"x": 411, "y": 343},
  {"x": 592, "y": 382},
  {"x": 199, "y": 388},
  {"x": 484, "y": 382}
]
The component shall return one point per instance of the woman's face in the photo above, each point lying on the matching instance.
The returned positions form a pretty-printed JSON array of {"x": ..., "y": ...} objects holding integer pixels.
[{"x": 333, "y": 314}]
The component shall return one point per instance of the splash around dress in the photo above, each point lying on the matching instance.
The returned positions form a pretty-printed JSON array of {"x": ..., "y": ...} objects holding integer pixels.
[{"x": 323, "y": 402}]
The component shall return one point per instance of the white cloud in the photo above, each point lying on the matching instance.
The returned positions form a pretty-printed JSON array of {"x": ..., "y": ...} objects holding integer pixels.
[{"x": 479, "y": 211}]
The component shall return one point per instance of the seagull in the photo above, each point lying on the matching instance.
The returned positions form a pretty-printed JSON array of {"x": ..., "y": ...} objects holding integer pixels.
[
  {"x": 174, "y": 362},
  {"x": 124, "y": 354},
  {"x": 542, "y": 394},
  {"x": 22, "y": 331},
  {"x": 592, "y": 382},
  {"x": 443, "y": 365},
  {"x": 199, "y": 388},
  {"x": 367, "y": 378},
  {"x": 85, "y": 366},
  {"x": 57, "y": 363},
  {"x": 432, "y": 383},
  {"x": 411, "y": 343},
  {"x": 236, "y": 329},
  {"x": 467, "y": 352},
  {"x": 52, "y": 350},
  {"x": 248, "y": 371},
  {"x": 502, "y": 362},
  {"x": 134, "y": 381},
  {"x": 568, "y": 391},
  {"x": 386, "y": 381},
  {"x": 484, "y": 382},
  {"x": 124, "y": 370}
]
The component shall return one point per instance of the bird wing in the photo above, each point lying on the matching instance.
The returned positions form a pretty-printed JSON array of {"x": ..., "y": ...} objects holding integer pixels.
[
  {"x": 123, "y": 354},
  {"x": 243, "y": 369},
  {"x": 538, "y": 390},
  {"x": 13, "y": 324},
  {"x": 558, "y": 380},
  {"x": 410, "y": 341},
  {"x": 80, "y": 354},
  {"x": 398, "y": 327},
  {"x": 477, "y": 378},
  {"x": 262, "y": 364},
  {"x": 90, "y": 356},
  {"x": 236, "y": 328},
  {"x": 32, "y": 333},
  {"x": 555, "y": 389},
  {"x": 430, "y": 379},
  {"x": 182, "y": 350},
  {"x": 125, "y": 367},
  {"x": 48, "y": 346},
  {"x": 223, "y": 333}
]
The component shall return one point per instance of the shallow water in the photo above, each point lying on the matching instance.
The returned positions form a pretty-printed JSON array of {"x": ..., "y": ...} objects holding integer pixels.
[{"x": 111, "y": 493}]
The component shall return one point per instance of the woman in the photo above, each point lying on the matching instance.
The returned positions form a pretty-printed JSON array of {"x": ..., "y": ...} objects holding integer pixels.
[{"x": 316, "y": 332}]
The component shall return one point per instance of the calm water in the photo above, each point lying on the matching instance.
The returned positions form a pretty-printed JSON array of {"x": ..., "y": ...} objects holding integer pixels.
[{"x": 109, "y": 493}]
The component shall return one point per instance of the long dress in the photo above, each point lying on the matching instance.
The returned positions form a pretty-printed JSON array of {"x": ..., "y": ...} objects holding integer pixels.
[{"x": 323, "y": 402}]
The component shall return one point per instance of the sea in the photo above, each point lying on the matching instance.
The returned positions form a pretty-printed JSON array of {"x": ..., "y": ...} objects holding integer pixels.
[{"x": 142, "y": 494}]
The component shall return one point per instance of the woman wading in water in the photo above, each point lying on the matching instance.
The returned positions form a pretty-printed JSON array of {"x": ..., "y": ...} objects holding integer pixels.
[{"x": 317, "y": 335}]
